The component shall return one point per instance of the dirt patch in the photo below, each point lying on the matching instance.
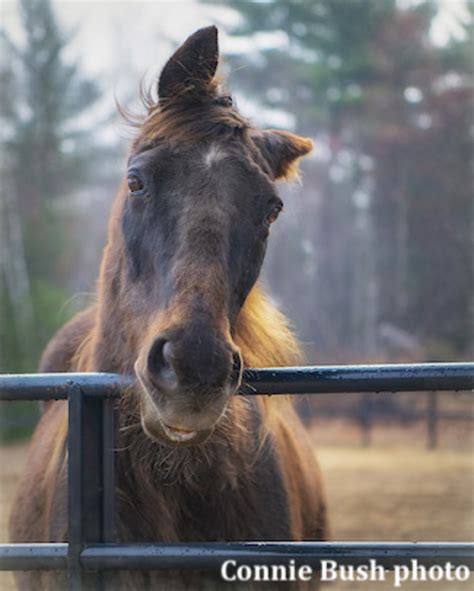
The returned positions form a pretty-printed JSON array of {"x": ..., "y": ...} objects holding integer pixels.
[{"x": 399, "y": 494}]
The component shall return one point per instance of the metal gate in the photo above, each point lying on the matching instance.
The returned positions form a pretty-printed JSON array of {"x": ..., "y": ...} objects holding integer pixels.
[{"x": 92, "y": 548}]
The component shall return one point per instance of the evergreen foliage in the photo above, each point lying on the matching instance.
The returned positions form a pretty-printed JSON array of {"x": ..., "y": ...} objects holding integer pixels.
[{"x": 46, "y": 153}]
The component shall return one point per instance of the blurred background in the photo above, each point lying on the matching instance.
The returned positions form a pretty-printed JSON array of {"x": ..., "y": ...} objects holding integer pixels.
[{"x": 373, "y": 258}]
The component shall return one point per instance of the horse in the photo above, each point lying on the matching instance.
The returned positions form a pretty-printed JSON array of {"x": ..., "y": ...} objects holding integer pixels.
[{"x": 179, "y": 305}]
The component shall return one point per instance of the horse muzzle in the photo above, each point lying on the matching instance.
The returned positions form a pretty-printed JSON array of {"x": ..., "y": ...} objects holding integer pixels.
[{"x": 185, "y": 389}]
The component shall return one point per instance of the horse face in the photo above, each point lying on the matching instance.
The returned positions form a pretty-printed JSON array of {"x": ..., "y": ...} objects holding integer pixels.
[{"x": 201, "y": 199}]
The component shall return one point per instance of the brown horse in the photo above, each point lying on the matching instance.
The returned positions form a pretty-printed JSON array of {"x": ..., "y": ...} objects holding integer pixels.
[{"x": 178, "y": 305}]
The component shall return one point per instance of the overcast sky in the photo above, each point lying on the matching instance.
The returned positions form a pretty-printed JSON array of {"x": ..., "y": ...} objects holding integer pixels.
[{"x": 122, "y": 41}]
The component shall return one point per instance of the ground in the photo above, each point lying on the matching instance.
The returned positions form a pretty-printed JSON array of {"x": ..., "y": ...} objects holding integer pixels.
[{"x": 378, "y": 493}]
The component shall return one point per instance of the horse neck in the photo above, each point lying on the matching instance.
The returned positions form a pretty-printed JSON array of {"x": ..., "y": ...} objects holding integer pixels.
[
  {"x": 263, "y": 334},
  {"x": 110, "y": 346}
]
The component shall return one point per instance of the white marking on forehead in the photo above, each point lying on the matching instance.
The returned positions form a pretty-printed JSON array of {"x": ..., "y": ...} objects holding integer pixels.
[{"x": 213, "y": 155}]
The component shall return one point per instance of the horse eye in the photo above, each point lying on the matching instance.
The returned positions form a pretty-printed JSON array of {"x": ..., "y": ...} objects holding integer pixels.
[
  {"x": 273, "y": 215},
  {"x": 135, "y": 184}
]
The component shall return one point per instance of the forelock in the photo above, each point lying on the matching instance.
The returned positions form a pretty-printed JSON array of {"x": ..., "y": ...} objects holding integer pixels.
[{"x": 175, "y": 121}]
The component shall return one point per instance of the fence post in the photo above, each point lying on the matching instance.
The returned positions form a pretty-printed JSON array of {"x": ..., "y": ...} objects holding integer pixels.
[
  {"x": 432, "y": 420},
  {"x": 91, "y": 482},
  {"x": 365, "y": 419},
  {"x": 74, "y": 467}
]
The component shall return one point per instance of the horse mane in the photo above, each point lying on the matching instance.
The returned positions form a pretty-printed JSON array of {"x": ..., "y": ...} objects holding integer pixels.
[
  {"x": 263, "y": 333},
  {"x": 265, "y": 339},
  {"x": 189, "y": 118}
]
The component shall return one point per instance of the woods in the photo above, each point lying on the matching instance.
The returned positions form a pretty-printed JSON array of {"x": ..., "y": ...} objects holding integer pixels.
[{"x": 47, "y": 153}]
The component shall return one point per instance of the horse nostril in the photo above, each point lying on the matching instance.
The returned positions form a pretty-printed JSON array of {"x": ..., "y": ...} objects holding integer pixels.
[
  {"x": 236, "y": 374},
  {"x": 161, "y": 363},
  {"x": 168, "y": 353}
]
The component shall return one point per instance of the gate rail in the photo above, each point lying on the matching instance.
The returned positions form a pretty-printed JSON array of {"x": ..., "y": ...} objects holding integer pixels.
[{"x": 91, "y": 548}]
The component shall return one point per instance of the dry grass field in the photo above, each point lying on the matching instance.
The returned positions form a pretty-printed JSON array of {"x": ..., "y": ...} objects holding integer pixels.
[{"x": 379, "y": 493}]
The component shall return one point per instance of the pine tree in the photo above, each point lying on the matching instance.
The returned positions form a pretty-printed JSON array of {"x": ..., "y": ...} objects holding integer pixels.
[
  {"x": 44, "y": 160},
  {"x": 325, "y": 57}
]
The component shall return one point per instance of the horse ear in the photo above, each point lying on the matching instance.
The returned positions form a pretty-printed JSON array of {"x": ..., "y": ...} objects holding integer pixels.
[
  {"x": 191, "y": 67},
  {"x": 282, "y": 151}
]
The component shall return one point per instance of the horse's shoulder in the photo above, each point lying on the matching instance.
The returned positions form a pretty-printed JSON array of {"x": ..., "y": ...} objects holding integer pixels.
[
  {"x": 30, "y": 511},
  {"x": 62, "y": 348}
]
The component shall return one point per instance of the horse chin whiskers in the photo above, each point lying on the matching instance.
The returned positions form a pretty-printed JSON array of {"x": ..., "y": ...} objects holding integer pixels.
[
  {"x": 188, "y": 464},
  {"x": 178, "y": 421}
]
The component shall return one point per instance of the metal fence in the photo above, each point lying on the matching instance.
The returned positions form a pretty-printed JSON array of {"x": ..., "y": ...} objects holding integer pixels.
[
  {"x": 369, "y": 411},
  {"x": 92, "y": 547}
]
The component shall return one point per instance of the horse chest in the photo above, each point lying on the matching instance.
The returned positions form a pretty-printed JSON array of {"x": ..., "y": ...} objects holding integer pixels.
[{"x": 253, "y": 508}]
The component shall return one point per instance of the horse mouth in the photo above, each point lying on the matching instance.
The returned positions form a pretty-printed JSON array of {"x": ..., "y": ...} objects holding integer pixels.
[
  {"x": 161, "y": 429},
  {"x": 178, "y": 435},
  {"x": 164, "y": 434}
]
